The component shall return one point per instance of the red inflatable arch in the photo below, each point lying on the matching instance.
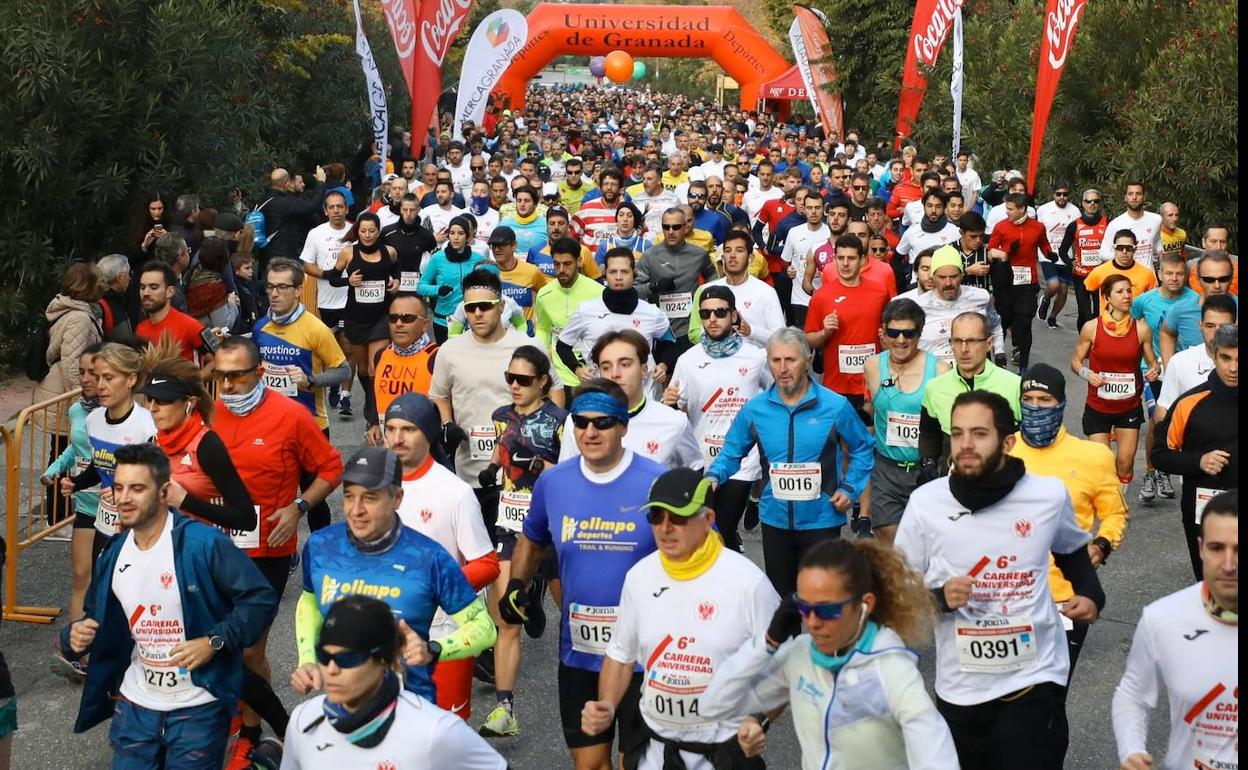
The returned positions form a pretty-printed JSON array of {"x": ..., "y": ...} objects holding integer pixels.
[{"x": 718, "y": 32}]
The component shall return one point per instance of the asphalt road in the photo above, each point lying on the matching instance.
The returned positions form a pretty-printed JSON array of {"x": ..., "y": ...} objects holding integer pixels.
[{"x": 1151, "y": 564}]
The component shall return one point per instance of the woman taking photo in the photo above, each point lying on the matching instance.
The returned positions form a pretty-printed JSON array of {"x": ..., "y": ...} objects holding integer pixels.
[
  {"x": 1112, "y": 344},
  {"x": 529, "y": 431},
  {"x": 443, "y": 280},
  {"x": 857, "y": 697}
]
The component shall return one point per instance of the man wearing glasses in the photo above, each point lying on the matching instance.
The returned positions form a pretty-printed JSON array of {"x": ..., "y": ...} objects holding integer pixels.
[
  {"x": 859, "y": 194},
  {"x": 684, "y": 610},
  {"x": 1056, "y": 216},
  {"x": 705, "y": 218},
  {"x": 668, "y": 273},
  {"x": 592, "y": 511},
  {"x": 1181, "y": 328},
  {"x": 406, "y": 364},
  {"x": 1081, "y": 249}
]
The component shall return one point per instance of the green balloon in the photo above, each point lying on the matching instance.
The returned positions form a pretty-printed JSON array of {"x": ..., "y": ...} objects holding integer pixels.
[{"x": 639, "y": 69}]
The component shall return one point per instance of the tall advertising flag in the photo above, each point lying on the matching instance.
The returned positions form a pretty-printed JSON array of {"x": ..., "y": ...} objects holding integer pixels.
[
  {"x": 376, "y": 94},
  {"x": 932, "y": 21},
  {"x": 494, "y": 42},
  {"x": 1061, "y": 17},
  {"x": 814, "y": 60},
  {"x": 422, "y": 37},
  {"x": 955, "y": 82}
]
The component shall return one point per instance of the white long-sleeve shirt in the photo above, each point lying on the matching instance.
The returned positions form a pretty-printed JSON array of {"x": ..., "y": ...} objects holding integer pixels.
[{"x": 1180, "y": 646}]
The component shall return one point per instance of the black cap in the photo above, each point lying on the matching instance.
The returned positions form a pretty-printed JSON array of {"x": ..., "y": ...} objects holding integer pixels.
[
  {"x": 502, "y": 235},
  {"x": 162, "y": 387},
  {"x": 228, "y": 222},
  {"x": 373, "y": 467},
  {"x": 716, "y": 148},
  {"x": 719, "y": 291},
  {"x": 1046, "y": 378},
  {"x": 682, "y": 491},
  {"x": 361, "y": 623}
]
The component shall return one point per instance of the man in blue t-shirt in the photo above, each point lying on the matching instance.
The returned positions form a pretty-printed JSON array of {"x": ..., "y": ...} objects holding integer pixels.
[
  {"x": 373, "y": 554},
  {"x": 1181, "y": 328},
  {"x": 592, "y": 510}
]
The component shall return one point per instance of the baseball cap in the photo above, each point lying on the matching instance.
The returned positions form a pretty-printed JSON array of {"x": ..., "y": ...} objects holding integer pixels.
[
  {"x": 549, "y": 189},
  {"x": 162, "y": 387},
  {"x": 682, "y": 491},
  {"x": 373, "y": 467},
  {"x": 1044, "y": 378},
  {"x": 228, "y": 223},
  {"x": 502, "y": 236}
]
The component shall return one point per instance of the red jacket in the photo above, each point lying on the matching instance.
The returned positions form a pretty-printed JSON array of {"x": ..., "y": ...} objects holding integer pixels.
[
  {"x": 903, "y": 193},
  {"x": 1021, "y": 243}
]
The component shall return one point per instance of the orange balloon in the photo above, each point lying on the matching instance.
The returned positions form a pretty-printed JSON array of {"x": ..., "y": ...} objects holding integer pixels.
[{"x": 619, "y": 66}]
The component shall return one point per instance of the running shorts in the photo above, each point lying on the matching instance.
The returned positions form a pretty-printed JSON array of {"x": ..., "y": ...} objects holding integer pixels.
[
  {"x": 1099, "y": 422},
  {"x": 576, "y": 688}
]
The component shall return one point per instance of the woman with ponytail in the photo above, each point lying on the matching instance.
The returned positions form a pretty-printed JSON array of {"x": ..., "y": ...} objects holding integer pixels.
[{"x": 854, "y": 687}]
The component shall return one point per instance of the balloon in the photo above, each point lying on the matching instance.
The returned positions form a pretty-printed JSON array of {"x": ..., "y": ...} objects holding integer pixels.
[
  {"x": 598, "y": 66},
  {"x": 639, "y": 69},
  {"x": 619, "y": 66}
]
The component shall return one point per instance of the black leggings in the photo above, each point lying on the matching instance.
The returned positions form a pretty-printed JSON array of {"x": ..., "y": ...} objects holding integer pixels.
[
  {"x": 730, "y": 500},
  {"x": 58, "y": 506},
  {"x": 1074, "y": 645},
  {"x": 1017, "y": 314},
  {"x": 783, "y": 549},
  {"x": 1085, "y": 303},
  {"x": 1026, "y": 731},
  {"x": 318, "y": 515},
  {"x": 259, "y": 695}
]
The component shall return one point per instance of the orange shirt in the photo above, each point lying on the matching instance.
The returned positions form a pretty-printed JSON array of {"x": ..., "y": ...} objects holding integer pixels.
[
  {"x": 394, "y": 375},
  {"x": 1142, "y": 277}
]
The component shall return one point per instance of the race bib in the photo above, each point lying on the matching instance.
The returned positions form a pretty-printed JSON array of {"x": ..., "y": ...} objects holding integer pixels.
[
  {"x": 1203, "y": 496},
  {"x": 513, "y": 507},
  {"x": 674, "y": 683},
  {"x": 712, "y": 443},
  {"x": 1022, "y": 275},
  {"x": 370, "y": 292},
  {"x": 107, "y": 518},
  {"x": 164, "y": 680},
  {"x": 1091, "y": 258},
  {"x": 995, "y": 644},
  {"x": 281, "y": 379},
  {"x": 902, "y": 430},
  {"x": 481, "y": 442},
  {"x": 796, "y": 482},
  {"x": 676, "y": 305},
  {"x": 852, "y": 359},
  {"x": 591, "y": 627},
  {"x": 409, "y": 280},
  {"x": 1117, "y": 386},
  {"x": 245, "y": 539}
]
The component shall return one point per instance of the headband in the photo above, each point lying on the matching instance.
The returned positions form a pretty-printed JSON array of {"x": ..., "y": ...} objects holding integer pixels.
[{"x": 600, "y": 402}]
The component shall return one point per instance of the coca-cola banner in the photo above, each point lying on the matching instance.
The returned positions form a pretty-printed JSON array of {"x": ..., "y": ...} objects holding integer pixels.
[
  {"x": 1061, "y": 17},
  {"x": 422, "y": 37},
  {"x": 932, "y": 21}
]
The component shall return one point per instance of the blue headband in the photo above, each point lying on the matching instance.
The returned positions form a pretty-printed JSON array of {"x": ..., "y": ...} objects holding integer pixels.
[{"x": 600, "y": 402}]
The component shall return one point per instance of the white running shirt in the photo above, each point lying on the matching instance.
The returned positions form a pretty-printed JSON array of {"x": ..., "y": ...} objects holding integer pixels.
[
  {"x": 657, "y": 432},
  {"x": 1055, "y": 221},
  {"x": 1010, "y": 634},
  {"x": 322, "y": 247},
  {"x": 758, "y": 304},
  {"x": 1178, "y": 645},
  {"x": 713, "y": 390},
  {"x": 800, "y": 242},
  {"x": 1188, "y": 368},
  {"x": 1147, "y": 228},
  {"x": 591, "y": 319},
  {"x": 915, "y": 240}
]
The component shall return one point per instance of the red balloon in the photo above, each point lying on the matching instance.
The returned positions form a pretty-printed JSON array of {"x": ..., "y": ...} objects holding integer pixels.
[{"x": 619, "y": 66}]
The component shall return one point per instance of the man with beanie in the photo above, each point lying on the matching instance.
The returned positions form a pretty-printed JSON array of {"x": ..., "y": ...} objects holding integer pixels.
[
  {"x": 951, "y": 297},
  {"x": 1086, "y": 468},
  {"x": 441, "y": 506},
  {"x": 711, "y": 599},
  {"x": 365, "y": 716},
  {"x": 373, "y": 554}
]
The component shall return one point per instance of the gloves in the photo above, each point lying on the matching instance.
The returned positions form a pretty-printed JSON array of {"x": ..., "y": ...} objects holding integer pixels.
[
  {"x": 664, "y": 285},
  {"x": 529, "y": 462},
  {"x": 452, "y": 435},
  {"x": 999, "y": 359},
  {"x": 786, "y": 623},
  {"x": 445, "y": 291},
  {"x": 929, "y": 470},
  {"x": 489, "y": 476},
  {"x": 513, "y": 605}
]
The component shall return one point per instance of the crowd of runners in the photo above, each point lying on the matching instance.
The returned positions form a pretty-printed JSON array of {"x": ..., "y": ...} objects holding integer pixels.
[{"x": 595, "y": 340}]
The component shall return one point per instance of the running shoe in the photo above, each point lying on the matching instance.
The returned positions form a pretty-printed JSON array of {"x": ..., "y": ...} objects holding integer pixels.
[
  {"x": 334, "y": 395},
  {"x": 501, "y": 723},
  {"x": 267, "y": 755},
  {"x": 750, "y": 520},
  {"x": 73, "y": 670},
  {"x": 1053, "y": 323},
  {"x": 1148, "y": 489},
  {"x": 240, "y": 755},
  {"x": 483, "y": 669},
  {"x": 1042, "y": 312},
  {"x": 294, "y": 562},
  {"x": 535, "y": 626},
  {"x": 344, "y": 406},
  {"x": 1016, "y": 355},
  {"x": 861, "y": 527},
  {"x": 1164, "y": 487}
]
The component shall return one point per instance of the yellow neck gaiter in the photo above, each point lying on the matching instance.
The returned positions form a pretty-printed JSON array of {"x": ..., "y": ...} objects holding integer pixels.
[
  {"x": 1116, "y": 327},
  {"x": 697, "y": 564}
]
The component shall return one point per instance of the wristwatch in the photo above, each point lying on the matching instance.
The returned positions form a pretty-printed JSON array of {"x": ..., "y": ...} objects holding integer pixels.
[
  {"x": 217, "y": 643},
  {"x": 435, "y": 649},
  {"x": 302, "y": 505}
]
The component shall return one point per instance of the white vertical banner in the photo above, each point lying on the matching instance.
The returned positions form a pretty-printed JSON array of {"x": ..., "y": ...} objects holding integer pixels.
[
  {"x": 955, "y": 82},
  {"x": 803, "y": 64},
  {"x": 378, "y": 113},
  {"x": 494, "y": 43}
]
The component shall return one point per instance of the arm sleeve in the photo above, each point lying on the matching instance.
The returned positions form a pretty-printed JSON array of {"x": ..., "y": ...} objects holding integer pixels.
[
  {"x": 1107, "y": 500},
  {"x": 929, "y": 744},
  {"x": 475, "y": 633},
  {"x": 688, "y": 451},
  {"x": 913, "y": 542},
  {"x": 338, "y": 375},
  {"x": 695, "y": 321},
  {"x": 994, "y": 323},
  {"x": 642, "y": 280},
  {"x": 757, "y": 232},
  {"x": 482, "y": 571},
  {"x": 89, "y": 477},
  {"x": 308, "y": 622},
  {"x": 1077, "y": 567},
  {"x": 566, "y": 354},
  {"x": 236, "y": 509},
  {"x": 428, "y": 286},
  {"x": 773, "y": 319},
  {"x": 1168, "y": 454},
  {"x": 1068, "y": 241},
  {"x": 63, "y": 462},
  {"x": 1136, "y": 695},
  {"x": 624, "y": 645},
  {"x": 749, "y": 681}
]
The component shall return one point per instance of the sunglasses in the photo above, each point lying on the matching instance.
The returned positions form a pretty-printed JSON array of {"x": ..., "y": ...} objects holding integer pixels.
[
  {"x": 605, "y": 422},
  {"x": 483, "y": 306},
  {"x": 697, "y": 196},
  {"x": 862, "y": 187},
  {"x": 231, "y": 375},
  {"x": 1216, "y": 278},
  {"x": 878, "y": 250},
  {"x": 523, "y": 380},
  {"x": 164, "y": 401},
  {"x": 718, "y": 312},
  {"x": 907, "y": 333},
  {"x": 1124, "y": 247},
  {"x": 673, "y": 228},
  {"x": 407, "y": 318},
  {"x": 1097, "y": 201},
  {"x": 477, "y": 168},
  {"x": 1060, "y": 194},
  {"x": 824, "y": 611},
  {"x": 656, "y": 516},
  {"x": 346, "y": 658}
]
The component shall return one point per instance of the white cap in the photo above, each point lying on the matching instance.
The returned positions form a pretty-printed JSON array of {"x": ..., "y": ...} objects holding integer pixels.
[
  {"x": 1013, "y": 174},
  {"x": 549, "y": 188}
]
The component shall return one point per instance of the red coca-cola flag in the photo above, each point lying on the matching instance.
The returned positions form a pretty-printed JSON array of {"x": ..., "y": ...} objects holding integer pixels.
[
  {"x": 932, "y": 21},
  {"x": 423, "y": 32},
  {"x": 1061, "y": 17}
]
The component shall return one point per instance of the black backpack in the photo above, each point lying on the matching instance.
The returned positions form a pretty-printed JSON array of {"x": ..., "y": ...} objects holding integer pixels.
[{"x": 37, "y": 366}]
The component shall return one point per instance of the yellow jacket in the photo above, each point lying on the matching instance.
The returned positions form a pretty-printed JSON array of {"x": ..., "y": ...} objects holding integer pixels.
[{"x": 1091, "y": 477}]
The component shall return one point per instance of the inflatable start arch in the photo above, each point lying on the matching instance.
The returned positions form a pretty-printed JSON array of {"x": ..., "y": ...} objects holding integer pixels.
[{"x": 718, "y": 32}]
